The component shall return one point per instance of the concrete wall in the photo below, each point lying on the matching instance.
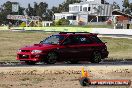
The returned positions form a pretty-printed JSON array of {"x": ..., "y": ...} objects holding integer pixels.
[
  {"x": 65, "y": 29},
  {"x": 75, "y": 29},
  {"x": 112, "y": 31},
  {"x": 4, "y": 28}
]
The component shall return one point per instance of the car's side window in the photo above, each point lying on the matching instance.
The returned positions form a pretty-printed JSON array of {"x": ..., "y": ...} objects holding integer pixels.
[
  {"x": 77, "y": 39},
  {"x": 69, "y": 40},
  {"x": 95, "y": 39},
  {"x": 84, "y": 40}
]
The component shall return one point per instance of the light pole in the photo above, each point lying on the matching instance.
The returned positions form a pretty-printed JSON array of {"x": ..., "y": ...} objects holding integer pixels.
[{"x": 15, "y": 8}]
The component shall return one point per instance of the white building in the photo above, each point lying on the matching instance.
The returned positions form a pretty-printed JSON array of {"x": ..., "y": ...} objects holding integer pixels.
[
  {"x": 88, "y": 11},
  {"x": 46, "y": 23}
]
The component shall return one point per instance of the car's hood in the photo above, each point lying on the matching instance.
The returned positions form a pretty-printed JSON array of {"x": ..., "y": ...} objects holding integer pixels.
[{"x": 38, "y": 47}]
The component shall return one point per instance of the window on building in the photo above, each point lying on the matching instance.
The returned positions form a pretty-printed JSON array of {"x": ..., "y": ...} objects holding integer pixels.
[
  {"x": 80, "y": 8},
  {"x": 56, "y": 17},
  {"x": 75, "y": 8},
  {"x": 102, "y": 1},
  {"x": 89, "y": 8},
  {"x": 71, "y": 17},
  {"x": 84, "y": 8},
  {"x": 70, "y": 8},
  {"x": 74, "y": 17},
  {"x": 47, "y": 24}
]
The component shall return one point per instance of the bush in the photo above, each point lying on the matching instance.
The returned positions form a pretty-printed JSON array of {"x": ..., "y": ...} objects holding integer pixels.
[
  {"x": 23, "y": 24},
  {"x": 62, "y": 21}
]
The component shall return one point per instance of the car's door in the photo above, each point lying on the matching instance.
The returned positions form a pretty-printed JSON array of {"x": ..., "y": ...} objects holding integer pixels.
[
  {"x": 86, "y": 47},
  {"x": 70, "y": 48}
]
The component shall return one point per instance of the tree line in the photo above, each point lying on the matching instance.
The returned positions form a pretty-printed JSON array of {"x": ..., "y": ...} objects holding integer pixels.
[
  {"x": 41, "y": 9},
  {"x": 38, "y": 9}
]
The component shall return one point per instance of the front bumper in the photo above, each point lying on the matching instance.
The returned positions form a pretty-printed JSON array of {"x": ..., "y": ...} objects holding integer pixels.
[{"x": 30, "y": 57}]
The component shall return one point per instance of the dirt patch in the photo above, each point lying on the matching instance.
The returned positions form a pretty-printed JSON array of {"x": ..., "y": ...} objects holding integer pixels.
[{"x": 59, "y": 76}]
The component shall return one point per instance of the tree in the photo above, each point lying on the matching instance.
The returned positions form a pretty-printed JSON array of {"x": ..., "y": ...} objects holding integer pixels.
[
  {"x": 35, "y": 9},
  {"x": 48, "y": 16},
  {"x": 55, "y": 9},
  {"x": 42, "y": 8},
  {"x": 21, "y": 10},
  {"x": 127, "y": 7},
  {"x": 116, "y": 6},
  {"x": 29, "y": 10},
  {"x": 130, "y": 7},
  {"x": 64, "y": 7},
  {"x": 125, "y": 3},
  {"x": 6, "y": 9}
]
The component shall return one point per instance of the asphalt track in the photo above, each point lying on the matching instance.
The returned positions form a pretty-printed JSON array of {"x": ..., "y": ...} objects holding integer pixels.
[{"x": 103, "y": 63}]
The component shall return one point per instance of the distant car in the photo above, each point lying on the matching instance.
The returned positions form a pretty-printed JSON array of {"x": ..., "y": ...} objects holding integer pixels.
[{"x": 65, "y": 46}]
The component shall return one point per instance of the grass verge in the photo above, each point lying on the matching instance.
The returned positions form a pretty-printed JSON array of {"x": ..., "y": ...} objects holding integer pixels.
[{"x": 10, "y": 42}]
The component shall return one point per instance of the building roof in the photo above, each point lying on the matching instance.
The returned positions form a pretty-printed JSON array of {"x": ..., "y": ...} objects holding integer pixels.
[
  {"x": 117, "y": 12},
  {"x": 86, "y": 2}
]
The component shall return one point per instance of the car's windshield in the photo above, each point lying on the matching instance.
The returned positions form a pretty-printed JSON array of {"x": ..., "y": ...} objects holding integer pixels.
[{"x": 54, "y": 39}]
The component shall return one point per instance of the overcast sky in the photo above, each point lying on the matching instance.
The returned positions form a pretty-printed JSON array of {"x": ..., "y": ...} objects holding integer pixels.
[{"x": 51, "y": 3}]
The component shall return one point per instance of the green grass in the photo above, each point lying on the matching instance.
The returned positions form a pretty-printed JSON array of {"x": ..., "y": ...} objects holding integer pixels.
[
  {"x": 86, "y": 26},
  {"x": 119, "y": 48},
  {"x": 10, "y": 42},
  {"x": 99, "y": 26}
]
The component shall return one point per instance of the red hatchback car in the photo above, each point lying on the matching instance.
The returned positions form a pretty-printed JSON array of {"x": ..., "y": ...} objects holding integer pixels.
[{"x": 65, "y": 46}]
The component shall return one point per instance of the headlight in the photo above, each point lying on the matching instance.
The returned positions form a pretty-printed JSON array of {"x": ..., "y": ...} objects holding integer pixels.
[
  {"x": 19, "y": 51},
  {"x": 36, "y": 51}
]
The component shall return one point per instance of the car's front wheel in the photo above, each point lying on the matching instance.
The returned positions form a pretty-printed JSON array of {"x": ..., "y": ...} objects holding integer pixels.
[
  {"x": 96, "y": 57},
  {"x": 51, "y": 58}
]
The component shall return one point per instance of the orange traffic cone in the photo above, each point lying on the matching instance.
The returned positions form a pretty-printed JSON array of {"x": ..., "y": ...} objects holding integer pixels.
[{"x": 85, "y": 73}]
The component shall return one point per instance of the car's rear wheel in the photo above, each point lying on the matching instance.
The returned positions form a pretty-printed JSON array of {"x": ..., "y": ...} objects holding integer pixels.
[
  {"x": 51, "y": 58},
  {"x": 30, "y": 62},
  {"x": 73, "y": 61},
  {"x": 96, "y": 57}
]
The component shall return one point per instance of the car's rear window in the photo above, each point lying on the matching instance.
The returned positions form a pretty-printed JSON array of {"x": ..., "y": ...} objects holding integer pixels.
[{"x": 95, "y": 39}]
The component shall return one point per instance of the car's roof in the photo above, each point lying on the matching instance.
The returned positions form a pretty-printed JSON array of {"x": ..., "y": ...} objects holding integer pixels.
[{"x": 76, "y": 33}]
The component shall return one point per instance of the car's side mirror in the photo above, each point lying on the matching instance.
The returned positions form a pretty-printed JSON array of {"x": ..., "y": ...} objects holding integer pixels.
[{"x": 40, "y": 42}]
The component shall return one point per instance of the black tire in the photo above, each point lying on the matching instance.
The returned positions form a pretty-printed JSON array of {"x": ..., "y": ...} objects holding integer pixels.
[
  {"x": 85, "y": 81},
  {"x": 96, "y": 57},
  {"x": 73, "y": 62},
  {"x": 30, "y": 62},
  {"x": 51, "y": 58}
]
